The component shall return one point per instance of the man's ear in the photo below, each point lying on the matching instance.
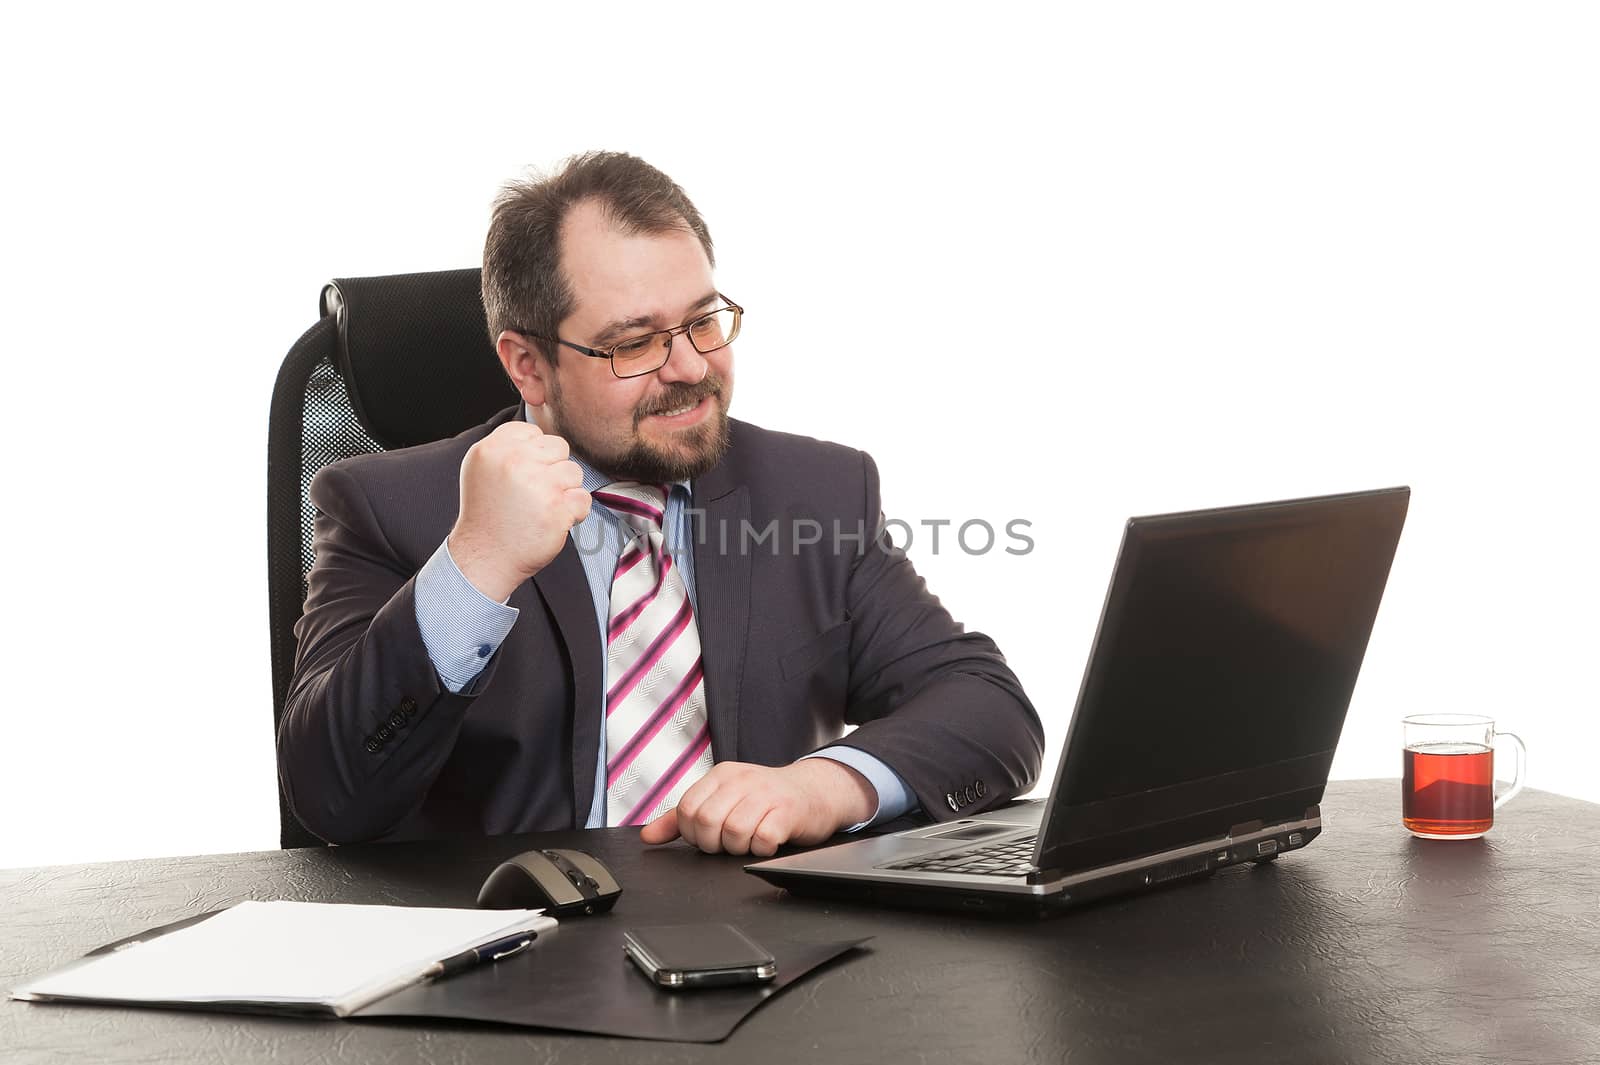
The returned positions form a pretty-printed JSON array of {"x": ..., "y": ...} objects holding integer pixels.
[{"x": 526, "y": 367}]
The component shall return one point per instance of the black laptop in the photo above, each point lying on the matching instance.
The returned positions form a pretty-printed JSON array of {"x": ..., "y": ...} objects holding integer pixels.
[{"x": 1216, "y": 688}]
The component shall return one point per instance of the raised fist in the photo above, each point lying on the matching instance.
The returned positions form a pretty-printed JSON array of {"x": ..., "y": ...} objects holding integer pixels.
[{"x": 520, "y": 495}]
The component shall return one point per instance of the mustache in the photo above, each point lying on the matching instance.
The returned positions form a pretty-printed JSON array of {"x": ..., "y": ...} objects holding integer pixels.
[{"x": 680, "y": 395}]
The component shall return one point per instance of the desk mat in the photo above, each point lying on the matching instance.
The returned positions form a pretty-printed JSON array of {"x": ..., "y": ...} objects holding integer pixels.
[{"x": 577, "y": 979}]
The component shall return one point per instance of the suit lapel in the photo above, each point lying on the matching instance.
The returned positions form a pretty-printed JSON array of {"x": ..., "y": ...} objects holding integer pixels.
[
  {"x": 722, "y": 593},
  {"x": 565, "y": 590}
]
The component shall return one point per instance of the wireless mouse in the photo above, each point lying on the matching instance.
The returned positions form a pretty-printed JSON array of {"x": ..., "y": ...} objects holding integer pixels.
[{"x": 563, "y": 882}]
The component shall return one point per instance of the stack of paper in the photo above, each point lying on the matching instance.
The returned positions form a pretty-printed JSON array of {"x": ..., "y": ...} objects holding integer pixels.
[{"x": 285, "y": 956}]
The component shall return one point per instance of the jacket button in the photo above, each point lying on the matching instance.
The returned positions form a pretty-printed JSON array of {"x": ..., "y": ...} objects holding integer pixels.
[
  {"x": 950, "y": 799},
  {"x": 978, "y": 786},
  {"x": 408, "y": 706},
  {"x": 373, "y": 745},
  {"x": 398, "y": 720},
  {"x": 384, "y": 732},
  {"x": 969, "y": 795}
]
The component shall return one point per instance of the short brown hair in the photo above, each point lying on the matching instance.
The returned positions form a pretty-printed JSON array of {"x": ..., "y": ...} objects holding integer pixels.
[{"x": 524, "y": 288}]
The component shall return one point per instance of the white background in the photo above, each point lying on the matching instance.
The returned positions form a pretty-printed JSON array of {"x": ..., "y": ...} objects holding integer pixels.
[{"x": 1121, "y": 259}]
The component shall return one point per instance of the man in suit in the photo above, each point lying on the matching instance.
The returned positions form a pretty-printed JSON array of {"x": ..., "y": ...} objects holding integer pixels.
[{"x": 613, "y": 604}]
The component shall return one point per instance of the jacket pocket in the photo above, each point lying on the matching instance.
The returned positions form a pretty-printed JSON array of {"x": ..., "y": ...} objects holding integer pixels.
[{"x": 808, "y": 656}]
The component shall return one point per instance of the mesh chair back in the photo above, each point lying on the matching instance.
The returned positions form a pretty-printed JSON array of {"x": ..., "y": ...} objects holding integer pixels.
[{"x": 392, "y": 362}]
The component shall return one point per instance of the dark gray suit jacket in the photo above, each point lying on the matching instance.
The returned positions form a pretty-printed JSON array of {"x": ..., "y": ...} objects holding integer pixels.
[{"x": 798, "y": 639}]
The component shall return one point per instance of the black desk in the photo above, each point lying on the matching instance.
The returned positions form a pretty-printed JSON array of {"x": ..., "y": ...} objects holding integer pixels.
[{"x": 1368, "y": 947}]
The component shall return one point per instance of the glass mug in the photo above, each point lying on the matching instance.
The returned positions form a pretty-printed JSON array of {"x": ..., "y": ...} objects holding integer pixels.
[{"x": 1447, "y": 789}]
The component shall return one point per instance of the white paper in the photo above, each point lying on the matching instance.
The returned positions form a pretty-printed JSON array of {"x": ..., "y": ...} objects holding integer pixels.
[{"x": 305, "y": 954}]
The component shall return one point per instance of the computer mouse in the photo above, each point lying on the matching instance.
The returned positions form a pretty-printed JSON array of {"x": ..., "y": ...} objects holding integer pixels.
[{"x": 563, "y": 882}]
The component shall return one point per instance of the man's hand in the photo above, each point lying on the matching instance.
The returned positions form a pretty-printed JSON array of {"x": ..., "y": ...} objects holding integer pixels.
[
  {"x": 520, "y": 496},
  {"x": 753, "y": 809}
]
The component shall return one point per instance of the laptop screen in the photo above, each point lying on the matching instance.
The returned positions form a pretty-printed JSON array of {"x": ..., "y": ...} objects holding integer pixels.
[{"x": 1227, "y": 652}]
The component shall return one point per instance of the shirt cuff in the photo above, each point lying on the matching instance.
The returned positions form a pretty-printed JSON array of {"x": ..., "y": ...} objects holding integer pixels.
[
  {"x": 461, "y": 627},
  {"x": 894, "y": 798}
]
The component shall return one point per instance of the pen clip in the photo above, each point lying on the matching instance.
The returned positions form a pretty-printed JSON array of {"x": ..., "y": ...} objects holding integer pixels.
[{"x": 518, "y": 949}]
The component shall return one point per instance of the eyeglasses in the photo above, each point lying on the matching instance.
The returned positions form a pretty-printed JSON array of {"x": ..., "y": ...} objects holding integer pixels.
[{"x": 648, "y": 352}]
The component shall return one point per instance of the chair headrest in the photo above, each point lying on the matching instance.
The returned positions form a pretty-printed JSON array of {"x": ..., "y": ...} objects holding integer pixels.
[{"x": 415, "y": 355}]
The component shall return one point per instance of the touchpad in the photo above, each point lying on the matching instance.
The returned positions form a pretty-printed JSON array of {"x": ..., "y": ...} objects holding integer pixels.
[{"x": 972, "y": 832}]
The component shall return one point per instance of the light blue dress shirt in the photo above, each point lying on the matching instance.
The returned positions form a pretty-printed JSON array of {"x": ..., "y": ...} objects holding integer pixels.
[{"x": 462, "y": 628}]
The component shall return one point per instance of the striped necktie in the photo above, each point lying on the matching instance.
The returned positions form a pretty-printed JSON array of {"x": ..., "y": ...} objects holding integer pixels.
[{"x": 658, "y": 739}]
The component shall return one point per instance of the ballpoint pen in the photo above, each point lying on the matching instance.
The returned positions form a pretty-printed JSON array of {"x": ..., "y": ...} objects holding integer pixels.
[{"x": 475, "y": 956}]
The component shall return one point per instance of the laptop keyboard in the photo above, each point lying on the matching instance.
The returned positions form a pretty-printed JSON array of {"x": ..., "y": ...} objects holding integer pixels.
[{"x": 1011, "y": 858}]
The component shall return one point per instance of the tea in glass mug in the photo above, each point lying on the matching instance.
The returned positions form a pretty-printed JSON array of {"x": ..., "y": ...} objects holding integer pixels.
[{"x": 1447, "y": 785}]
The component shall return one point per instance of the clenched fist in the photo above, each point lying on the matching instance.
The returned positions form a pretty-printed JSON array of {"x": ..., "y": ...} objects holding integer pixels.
[{"x": 520, "y": 495}]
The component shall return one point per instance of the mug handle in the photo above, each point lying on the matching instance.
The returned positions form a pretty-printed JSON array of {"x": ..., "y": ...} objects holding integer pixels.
[{"x": 1522, "y": 766}]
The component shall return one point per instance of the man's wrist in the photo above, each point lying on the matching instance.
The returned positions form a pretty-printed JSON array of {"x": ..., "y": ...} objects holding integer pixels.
[
  {"x": 482, "y": 569},
  {"x": 848, "y": 793}
]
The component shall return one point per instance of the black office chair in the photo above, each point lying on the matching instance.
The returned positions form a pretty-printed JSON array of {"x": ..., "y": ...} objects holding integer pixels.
[{"x": 394, "y": 361}]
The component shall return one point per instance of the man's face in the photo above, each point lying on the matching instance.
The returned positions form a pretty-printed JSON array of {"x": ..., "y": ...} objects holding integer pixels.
[{"x": 663, "y": 426}]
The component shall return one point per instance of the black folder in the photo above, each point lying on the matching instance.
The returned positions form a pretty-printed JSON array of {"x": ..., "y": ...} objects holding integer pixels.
[{"x": 574, "y": 979}]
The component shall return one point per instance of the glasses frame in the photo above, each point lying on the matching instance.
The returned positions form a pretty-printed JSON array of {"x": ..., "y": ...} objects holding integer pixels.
[{"x": 609, "y": 353}]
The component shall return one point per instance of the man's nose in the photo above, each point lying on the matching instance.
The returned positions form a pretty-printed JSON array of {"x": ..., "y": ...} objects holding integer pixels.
[{"x": 684, "y": 363}]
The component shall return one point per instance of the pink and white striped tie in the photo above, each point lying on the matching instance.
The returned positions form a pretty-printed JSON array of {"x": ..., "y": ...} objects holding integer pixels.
[{"x": 658, "y": 739}]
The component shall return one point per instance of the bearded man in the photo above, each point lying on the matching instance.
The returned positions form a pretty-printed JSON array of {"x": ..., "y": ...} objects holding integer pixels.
[{"x": 614, "y": 605}]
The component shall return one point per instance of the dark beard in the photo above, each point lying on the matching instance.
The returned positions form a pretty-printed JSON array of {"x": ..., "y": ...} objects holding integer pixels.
[
  {"x": 703, "y": 447},
  {"x": 700, "y": 448}
]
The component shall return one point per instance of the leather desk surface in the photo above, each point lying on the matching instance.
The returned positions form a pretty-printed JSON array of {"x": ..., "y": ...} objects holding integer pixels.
[{"x": 1366, "y": 947}]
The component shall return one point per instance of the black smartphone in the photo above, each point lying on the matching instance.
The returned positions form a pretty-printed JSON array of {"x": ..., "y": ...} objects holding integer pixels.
[{"x": 686, "y": 956}]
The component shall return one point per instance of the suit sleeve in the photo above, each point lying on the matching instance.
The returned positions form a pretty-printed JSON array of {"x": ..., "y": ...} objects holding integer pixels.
[
  {"x": 368, "y": 724},
  {"x": 935, "y": 703}
]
